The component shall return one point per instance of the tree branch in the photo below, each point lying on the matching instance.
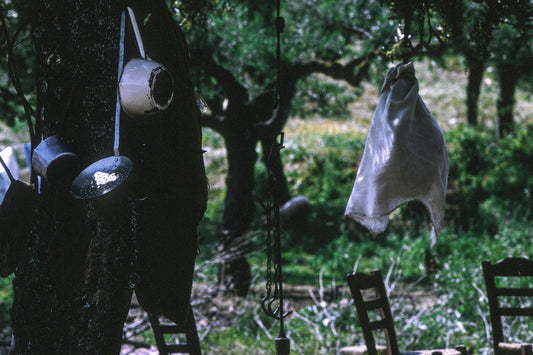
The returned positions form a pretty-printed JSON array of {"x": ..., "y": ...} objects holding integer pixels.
[
  {"x": 352, "y": 72},
  {"x": 13, "y": 75},
  {"x": 213, "y": 121},
  {"x": 232, "y": 88}
]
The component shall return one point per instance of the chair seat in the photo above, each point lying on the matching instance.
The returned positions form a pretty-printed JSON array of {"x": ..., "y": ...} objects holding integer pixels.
[
  {"x": 432, "y": 352},
  {"x": 515, "y": 348},
  {"x": 382, "y": 350},
  {"x": 361, "y": 350}
]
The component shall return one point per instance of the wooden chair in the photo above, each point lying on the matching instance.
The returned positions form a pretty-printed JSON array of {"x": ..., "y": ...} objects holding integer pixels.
[
  {"x": 509, "y": 269},
  {"x": 373, "y": 308},
  {"x": 192, "y": 344}
]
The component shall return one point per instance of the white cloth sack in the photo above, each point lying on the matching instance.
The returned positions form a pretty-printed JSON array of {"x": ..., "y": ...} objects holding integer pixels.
[{"x": 404, "y": 159}]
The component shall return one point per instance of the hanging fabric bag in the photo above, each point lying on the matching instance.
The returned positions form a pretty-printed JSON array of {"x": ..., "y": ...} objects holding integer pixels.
[{"x": 405, "y": 157}]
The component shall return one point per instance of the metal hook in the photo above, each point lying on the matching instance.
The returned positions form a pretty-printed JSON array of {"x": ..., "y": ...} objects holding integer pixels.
[{"x": 272, "y": 313}]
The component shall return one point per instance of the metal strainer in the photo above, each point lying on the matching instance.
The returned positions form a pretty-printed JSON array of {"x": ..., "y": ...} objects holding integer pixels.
[{"x": 106, "y": 174}]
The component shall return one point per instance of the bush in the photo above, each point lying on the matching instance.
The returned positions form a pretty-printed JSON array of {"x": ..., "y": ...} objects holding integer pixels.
[{"x": 489, "y": 178}]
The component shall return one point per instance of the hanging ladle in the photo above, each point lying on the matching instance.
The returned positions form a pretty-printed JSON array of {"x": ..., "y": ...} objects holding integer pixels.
[{"x": 106, "y": 174}]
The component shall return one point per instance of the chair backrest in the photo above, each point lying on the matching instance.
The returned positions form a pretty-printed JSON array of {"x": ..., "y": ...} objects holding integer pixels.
[
  {"x": 370, "y": 297},
  {"x": 507, "y": 268}
]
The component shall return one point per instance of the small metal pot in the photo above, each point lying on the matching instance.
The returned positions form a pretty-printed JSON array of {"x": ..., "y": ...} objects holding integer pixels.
[
  {"x": 146, "y": 86},
  {"x": 53, "y": 160}
]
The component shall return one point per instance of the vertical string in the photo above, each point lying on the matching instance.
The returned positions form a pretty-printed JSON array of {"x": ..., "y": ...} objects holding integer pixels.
[
  {"x": 280, "y": 26},
  {"x": 408, "y": 16}
]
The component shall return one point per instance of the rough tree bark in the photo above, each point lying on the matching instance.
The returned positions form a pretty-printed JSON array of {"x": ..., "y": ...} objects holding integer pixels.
[
  {"x": 508, "y": 76},
  {"x": 243, "y": 124},
  {"x": 71, "y": 287},
  {"x": 476, "y": 66}
]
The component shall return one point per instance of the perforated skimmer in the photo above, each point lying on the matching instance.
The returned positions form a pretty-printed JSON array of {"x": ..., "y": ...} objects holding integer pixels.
[{"x": 106, "y": 174}]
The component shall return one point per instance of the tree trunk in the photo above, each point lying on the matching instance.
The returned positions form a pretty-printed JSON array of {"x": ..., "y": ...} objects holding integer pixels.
[
  {"x": 508, "y": 76},
  {"x": 243, "y": 124},
  {"x": 71, "y": 287},
  {"x": 476, "y": 66},
  {"x": 239, "y": 204}
]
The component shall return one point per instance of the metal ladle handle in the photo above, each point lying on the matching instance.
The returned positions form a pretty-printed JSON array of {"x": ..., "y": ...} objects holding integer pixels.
[
  {"x": 137, "y": 33},
  {"x": 120, "y": 65}
]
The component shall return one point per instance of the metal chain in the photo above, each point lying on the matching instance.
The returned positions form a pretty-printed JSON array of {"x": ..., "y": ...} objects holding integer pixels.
[
  {"x": 272, "y": 304},
  {"x": 268, "y": 209}
]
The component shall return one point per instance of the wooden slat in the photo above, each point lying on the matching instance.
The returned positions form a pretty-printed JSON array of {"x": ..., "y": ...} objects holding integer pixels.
[
  {"x": 516, "y": 312},
  {"x": 378, "y": 324},
  {"x": 374, "y": 304},
  {"x": 170, "y": 329},
  {"x": 512, "y": 267},
  {"x": 178, "y": 348},
  {"x": 514, "y": 292}
]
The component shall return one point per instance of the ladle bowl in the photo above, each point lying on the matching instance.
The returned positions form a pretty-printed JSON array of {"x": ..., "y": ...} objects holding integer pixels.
[{"x": 101, "y": 177}]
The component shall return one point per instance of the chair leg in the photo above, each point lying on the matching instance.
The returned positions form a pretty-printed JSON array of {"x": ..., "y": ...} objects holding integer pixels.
[{"x": 192, "y": 334}]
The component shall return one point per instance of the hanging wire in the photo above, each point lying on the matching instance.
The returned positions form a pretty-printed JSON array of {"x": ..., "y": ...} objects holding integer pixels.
[{"x": 280, "y": 26}]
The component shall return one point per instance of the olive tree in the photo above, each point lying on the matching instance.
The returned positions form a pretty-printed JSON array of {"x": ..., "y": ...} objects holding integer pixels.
[
  {"x": 234, "y": 66},
  {"x": 72, "y": 282}
]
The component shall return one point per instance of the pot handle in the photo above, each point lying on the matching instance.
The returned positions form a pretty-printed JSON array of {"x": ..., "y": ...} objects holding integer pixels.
[{"x": 137, "y": 33}]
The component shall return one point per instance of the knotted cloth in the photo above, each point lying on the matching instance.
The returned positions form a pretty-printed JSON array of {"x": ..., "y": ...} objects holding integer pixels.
[{"x": 405, "y": 157}]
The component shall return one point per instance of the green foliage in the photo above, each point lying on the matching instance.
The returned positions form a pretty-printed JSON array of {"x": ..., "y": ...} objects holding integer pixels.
[
  {"x": 469, "y": 168},
  {"x": 6, "y": 299},
  {"x": 16, "y": 18},
  {"x": 323, "y": 99},
  {"x": 486, "y": 172},
  {"x": 196, "y": 11},
  {"x": 512, "y": 53},
  {"x": 244, "y": 42}
]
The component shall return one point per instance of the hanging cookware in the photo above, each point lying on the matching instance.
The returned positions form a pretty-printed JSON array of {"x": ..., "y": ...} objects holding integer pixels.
[
  {"x": 106, "y": 174},
  {"x": 146, "y": 87},
  {"x": 53, "y": 160},
  {"x": 16, "y": 211}
]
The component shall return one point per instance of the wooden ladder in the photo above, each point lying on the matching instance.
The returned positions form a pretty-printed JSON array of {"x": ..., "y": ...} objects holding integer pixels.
[{"x": 192, "y": 346}]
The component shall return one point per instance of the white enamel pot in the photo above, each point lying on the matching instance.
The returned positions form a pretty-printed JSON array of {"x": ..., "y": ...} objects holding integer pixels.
[{"x": 146, "y": 86}]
